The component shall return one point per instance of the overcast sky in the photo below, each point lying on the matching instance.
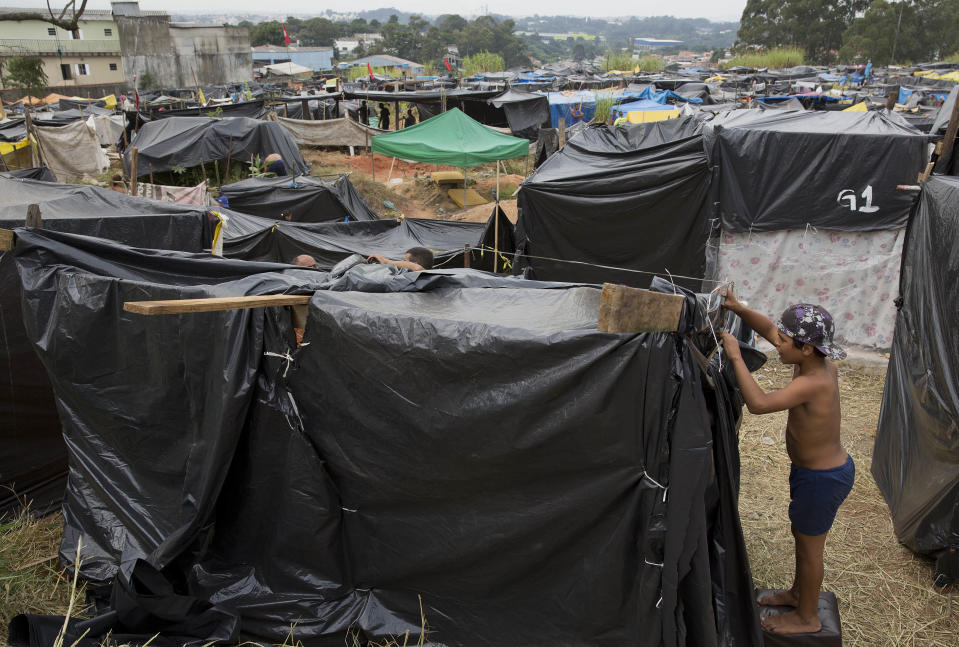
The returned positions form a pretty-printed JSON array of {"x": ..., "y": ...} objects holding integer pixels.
[{"x": 712, "y": 9}]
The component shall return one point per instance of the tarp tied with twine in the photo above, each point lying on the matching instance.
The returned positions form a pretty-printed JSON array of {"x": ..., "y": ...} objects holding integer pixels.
[{"x": 451, "y": 138}]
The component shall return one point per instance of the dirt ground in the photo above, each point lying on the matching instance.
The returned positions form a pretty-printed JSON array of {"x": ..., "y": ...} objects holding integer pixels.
[{"x": 408, "y": 187}]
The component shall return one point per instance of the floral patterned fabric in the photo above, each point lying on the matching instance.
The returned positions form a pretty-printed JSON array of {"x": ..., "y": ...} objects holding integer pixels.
[{"x": 853, "y": 275}]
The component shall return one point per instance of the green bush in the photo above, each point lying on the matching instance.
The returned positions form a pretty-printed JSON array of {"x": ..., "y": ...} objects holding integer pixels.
[
  {"x": 773, "y": 58},
  {"x": 483, "y": 62}
]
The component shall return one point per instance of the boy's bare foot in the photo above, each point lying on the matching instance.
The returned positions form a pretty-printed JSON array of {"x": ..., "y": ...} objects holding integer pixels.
[
  {"x": 782, "y": 599},
  {"x": 791, "y": 623}
]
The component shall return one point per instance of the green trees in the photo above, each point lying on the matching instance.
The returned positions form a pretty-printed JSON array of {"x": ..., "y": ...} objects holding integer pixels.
[
  {"x": 816, "y": 26},
  {"x": 317, "y": 32},
  {"x": 857, "y": 30},
  {"x": 267, "y": 33},
  {"x": 25, "y": 73}
]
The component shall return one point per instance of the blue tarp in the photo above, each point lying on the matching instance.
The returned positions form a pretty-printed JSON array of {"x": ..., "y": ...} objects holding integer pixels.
[
  {"x": 905, "y": 93},
  {"x": 663, "y": 95},
  {"x": 562, "y": 105}
]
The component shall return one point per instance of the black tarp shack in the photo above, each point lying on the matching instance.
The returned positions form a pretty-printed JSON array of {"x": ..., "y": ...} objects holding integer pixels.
[
  {"x": 831, "y": 170},
  {"x": 916, "y": 456},
  {"x": 608, "y": 208},
  {"x": 34, "y": 461},
  {"x": 257, "y": 239},
  {"x": 432, "y": 442},
  {"x": 299, "y": 198},
  {"x": 430, "y": 103},
  {"x": 190, "y": 141},
  {"x": 526, "y": 112}
]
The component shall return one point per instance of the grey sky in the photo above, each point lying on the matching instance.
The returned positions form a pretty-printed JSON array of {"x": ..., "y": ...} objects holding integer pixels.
[{"x": 712, "y": 9}]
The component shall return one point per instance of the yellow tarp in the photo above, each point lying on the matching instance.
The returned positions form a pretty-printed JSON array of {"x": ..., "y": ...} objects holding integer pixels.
[
  {"x": 948, "y": 76},
  {"x": 859, "y": 107},
  {"x": 7, "y": 147},
  {"x": 647, "y": 116},
  {"x": 472, "y": 197}
]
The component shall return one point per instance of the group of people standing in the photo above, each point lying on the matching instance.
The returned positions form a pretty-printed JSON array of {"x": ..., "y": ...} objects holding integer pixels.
[{"x": 363, "y": 116}]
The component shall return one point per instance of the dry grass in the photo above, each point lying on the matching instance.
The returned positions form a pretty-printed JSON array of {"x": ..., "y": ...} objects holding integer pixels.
[
  {"x": 885, "y": 592},
  {"x": 31, "y": 580}
]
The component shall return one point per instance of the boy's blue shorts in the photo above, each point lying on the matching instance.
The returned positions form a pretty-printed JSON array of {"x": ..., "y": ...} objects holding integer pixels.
[{"x": 817, "y": 494}]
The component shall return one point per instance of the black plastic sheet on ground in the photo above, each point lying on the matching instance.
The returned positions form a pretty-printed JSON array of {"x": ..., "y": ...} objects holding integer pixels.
[
  {"x": 916, "y": 457},
  {"x": 33, "y": 463},
  {"x": 36, "y": 173},
  {"x": 191, "y": 141},
  {"x": 257, "y": 239},
  {"x": 299, "y": 199},
  {"x": 834, "y": 170},
  {"x": 466, "y": 438},
  {"x": 597, "y": 211}
]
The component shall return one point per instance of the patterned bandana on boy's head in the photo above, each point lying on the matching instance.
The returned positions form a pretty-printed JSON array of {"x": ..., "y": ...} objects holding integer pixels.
[{"x": 811, "y": 325}]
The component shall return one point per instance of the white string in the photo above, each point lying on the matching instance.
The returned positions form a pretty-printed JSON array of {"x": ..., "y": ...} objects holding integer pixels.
[
  {"x": 653, "y": 563},
  {"x": 603, "y": 267},
  {"x": 286, "y": 356}
]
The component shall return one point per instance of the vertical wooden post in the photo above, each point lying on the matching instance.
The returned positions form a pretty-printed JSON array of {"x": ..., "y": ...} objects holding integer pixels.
[
  {"x": 229, "y": 152},
  {"x": 33, "y": 216},
  {"x": 466, "y": 256},
  {"x": 151, "y": 173},
  {"x": 306, "y": 109},
  {"x": 396, "y": 115},
  {"x": 891, "y": 100},
  {"x": 496, "y": 222},
  {"x": 286, "y": 110},
  {"x": 28, "y": 121},
  {"x": 948, "y": 144},
  {"x": 134, "y": 153},
  {"x": 562, "y": 132}
]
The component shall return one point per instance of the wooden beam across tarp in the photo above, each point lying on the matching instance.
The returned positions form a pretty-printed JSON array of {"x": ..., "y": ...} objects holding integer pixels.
[
  {"x": 214, "y": 304},
  {"x": 630, "y": 310}
]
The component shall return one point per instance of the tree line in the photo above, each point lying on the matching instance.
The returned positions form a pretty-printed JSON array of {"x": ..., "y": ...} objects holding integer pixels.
[
  {"x": 417, "y": 40},
  {"x": 854, "y": 31}
]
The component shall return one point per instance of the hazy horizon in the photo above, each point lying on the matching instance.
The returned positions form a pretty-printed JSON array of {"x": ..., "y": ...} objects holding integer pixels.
[{"x": 722, "y": 11}]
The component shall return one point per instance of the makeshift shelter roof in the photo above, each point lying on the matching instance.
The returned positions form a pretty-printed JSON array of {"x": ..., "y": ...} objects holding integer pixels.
[
  {"x": 451, "y": 138},
  {"x": 302, "y": 198},
  {"x": 288, "y": 69},
  {"x": 190, "y": 141}
]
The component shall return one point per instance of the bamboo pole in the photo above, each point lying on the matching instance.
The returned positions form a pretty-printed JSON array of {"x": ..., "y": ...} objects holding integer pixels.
[
  {"x": 496, "y": 222},
  {"x": 226, "y": 172},
  {"x": 134, "y": 153}
]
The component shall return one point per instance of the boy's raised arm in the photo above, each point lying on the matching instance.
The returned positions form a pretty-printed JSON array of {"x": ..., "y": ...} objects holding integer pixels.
[
  {"x": 758, "y": 322},
  {"x": 800, "y": 390}
]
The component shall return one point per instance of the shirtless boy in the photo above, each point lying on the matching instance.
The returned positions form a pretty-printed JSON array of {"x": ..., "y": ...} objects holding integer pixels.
[{"x": 822, "y": 472}]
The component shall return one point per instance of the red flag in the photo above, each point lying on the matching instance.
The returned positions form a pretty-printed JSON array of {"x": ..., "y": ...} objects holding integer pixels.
[
  {"x": 286, "y": 37},
  {"x": 447, "y": 64},
  {"x": 370, "y": 68}
]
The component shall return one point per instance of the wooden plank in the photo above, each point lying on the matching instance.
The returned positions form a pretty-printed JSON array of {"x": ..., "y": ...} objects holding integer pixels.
[
  {"x": 185, "y": 306},
  {"x": 949, "y": 141},
  {"x": 471, "y": 200},
  {"x": 6, "y": 240},
  {"x": 629, "y": 310},
  {"x": 447, "y": 177}
]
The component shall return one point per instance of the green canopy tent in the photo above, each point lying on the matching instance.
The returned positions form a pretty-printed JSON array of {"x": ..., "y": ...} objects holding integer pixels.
[{"x": 453, "y": 139}]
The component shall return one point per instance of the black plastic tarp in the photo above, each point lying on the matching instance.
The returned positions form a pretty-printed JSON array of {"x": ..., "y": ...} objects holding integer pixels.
[
  {"x": 257, "y": 239},
  {"x": 432, "y": 440},
  {"x": 916, "y": 456},
  {"x": 33, "y": 463},
  {"x": 299, "y": 199},
  {"x": 833, "y": 170},
  {"x": 596, "y": 211},
  {"x": 634, "y": 137},
  {"x": 252, "y": 109},
  {"x": 36, "y": 173},
  {"x": 526, "y": 112},
  {"x": 190, "y": 141}
]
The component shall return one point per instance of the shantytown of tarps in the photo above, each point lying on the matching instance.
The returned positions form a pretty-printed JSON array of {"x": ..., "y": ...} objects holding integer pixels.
[
  {"x": 299, "y": 199},
  {"x": 456, "y": 437}
]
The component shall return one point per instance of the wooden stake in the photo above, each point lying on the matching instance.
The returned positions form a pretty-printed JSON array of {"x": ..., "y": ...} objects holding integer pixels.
[
  {"x": 390, "y": 176},
  {"x": 6, "y": 240},
  {"x": 466, "y": 256},
  {"x": 562, "y": 132},
  {"x": 229, "y": 152},
  {"x": 891, "y": 100},
  {"x": 134, "y": 154},
  {"x": 306, "y": 110},
  {"x": 151, "y": 173},
  {"x": 630, "y": 310},
  {"x": 950, "y": 140},
  {"x": 33, "y": 217},
  {"x": 495, "y": 221}
]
